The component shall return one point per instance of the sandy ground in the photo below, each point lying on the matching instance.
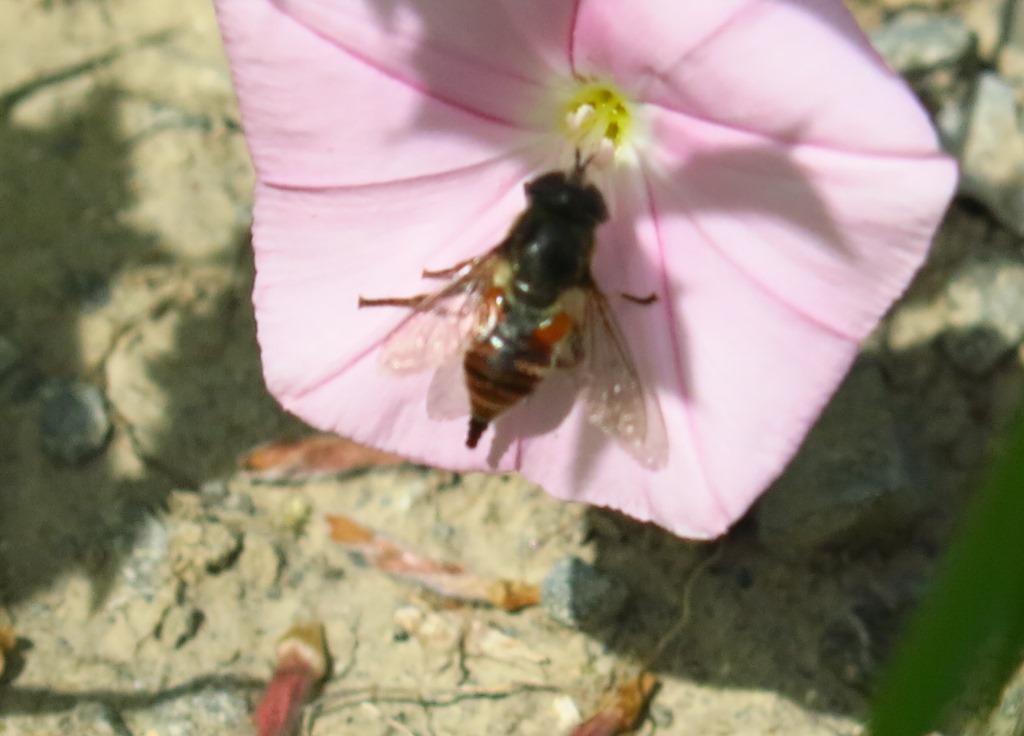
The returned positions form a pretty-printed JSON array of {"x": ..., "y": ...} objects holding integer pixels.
[{"x": 149, "y": 585}]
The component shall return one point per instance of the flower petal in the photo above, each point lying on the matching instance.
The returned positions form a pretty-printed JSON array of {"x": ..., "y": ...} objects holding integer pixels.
[
  {"x": 739, "y": 375},
  {"x": 490, "y": 58},
  {"x": 778, "y": 208},
  {"x": 781, "y": 254},
  {"x": 317, "y": 252},
  {"x": 788, "y": 69},
  {"x": 316, "y": 116},
  {"x": 835, "y": 235}
]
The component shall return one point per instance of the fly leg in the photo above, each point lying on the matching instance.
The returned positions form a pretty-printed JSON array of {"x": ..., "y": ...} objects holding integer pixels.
[
  {"x": 414, "y": 302},
  {"x": 447, "y": 273},
  {"x": 411, "y": 302},
  {"x": 641, "y": 300}
]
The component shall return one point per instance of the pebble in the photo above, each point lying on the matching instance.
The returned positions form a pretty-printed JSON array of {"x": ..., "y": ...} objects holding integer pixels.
[
  {"x": 578, "y": 595},
  {"x": 992, "y": 165},
  {"x": 1010, "y": 58},
  {"x": 205, "y": 547},
  {"x": 94, "y": 719},
  {"x": 985, "y": 313},
  {"x": 917, "y": 42},
  {"x": 850, "y": 478},
  {"x": 1006, "y": 718},
  {"x": 209, "y": 711},
  {"x": 222, "y": 546},
  {"x": 145, "y": 567},
  {"x": 986, "y": 18},
  {"x": 260, "y": 563},
  {"x": 73, "y": 422}
]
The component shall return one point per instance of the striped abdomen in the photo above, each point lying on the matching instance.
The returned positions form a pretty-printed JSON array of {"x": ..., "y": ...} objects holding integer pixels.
[{"x": 503, "y": 370}]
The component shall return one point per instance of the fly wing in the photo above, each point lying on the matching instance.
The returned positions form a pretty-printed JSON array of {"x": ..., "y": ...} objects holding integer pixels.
[
  {"x": 447, "y": 397},
  {"x": 615, "y": 398},
  {"x": 443, "y": 324}
]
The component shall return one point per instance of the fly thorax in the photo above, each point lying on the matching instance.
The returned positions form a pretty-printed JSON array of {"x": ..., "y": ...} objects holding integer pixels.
[
  {"x": 557, "y": 258},
  {"x": 519, "y": 322}
]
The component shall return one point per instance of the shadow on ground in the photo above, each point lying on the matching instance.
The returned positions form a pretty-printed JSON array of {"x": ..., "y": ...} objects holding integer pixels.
[{"x": 82, "y": 291}]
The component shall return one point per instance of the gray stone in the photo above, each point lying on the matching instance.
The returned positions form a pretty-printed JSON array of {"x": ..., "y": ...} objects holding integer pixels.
[
  {"x": 260, "y": 563},
  {"x": 985, "y": 308},
  {"x": 992, "y": 165},
  {"x": 987, "y": 19},
  {"x": 145, "y": 567},
  {"x": 1011, "y": 67},
  {"x": 951, "y": 110},
  {"x": 917, "y": 42},
  {"x": 222, "y": 546},
  {"x": 209, "y": 711},
  {"x": 1010, "y": 60},
  {"x": 850, "y": 478},
  {"x": 73, "y": 422},
  {"x": 576, "y": 594},
  {"x": 94, "y": 719},
  {"x": 1007, "y": 718},
  {"x": 204, "y": 547}
]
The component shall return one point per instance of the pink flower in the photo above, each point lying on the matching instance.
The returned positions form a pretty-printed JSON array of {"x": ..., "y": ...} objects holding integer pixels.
[{"x": 769, "y": 179}]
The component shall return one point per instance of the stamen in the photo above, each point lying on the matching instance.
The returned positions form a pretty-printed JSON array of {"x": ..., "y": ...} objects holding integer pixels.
[{"x": 598, "y": 121}]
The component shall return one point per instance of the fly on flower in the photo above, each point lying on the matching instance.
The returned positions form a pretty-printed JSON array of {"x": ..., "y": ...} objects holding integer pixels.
[{"x": 530, "y": 305}]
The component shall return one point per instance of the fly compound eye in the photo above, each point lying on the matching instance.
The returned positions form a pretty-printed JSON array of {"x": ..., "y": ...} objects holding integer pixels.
[
  {"x": 592, "y": 202},
  {"x": 548, "y": 189},
  {"x": 573, "y": 200}
]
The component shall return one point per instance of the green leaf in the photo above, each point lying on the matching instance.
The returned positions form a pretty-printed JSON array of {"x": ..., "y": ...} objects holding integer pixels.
[{"x": 977, "y": 603}]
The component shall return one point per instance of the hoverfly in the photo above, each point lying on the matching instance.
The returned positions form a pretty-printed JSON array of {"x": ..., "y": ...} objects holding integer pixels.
[{"x": 527, "y": 307}]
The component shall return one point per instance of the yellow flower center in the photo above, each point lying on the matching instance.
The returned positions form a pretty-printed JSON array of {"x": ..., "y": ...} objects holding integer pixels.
[{"x": 598, "y": 120}]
